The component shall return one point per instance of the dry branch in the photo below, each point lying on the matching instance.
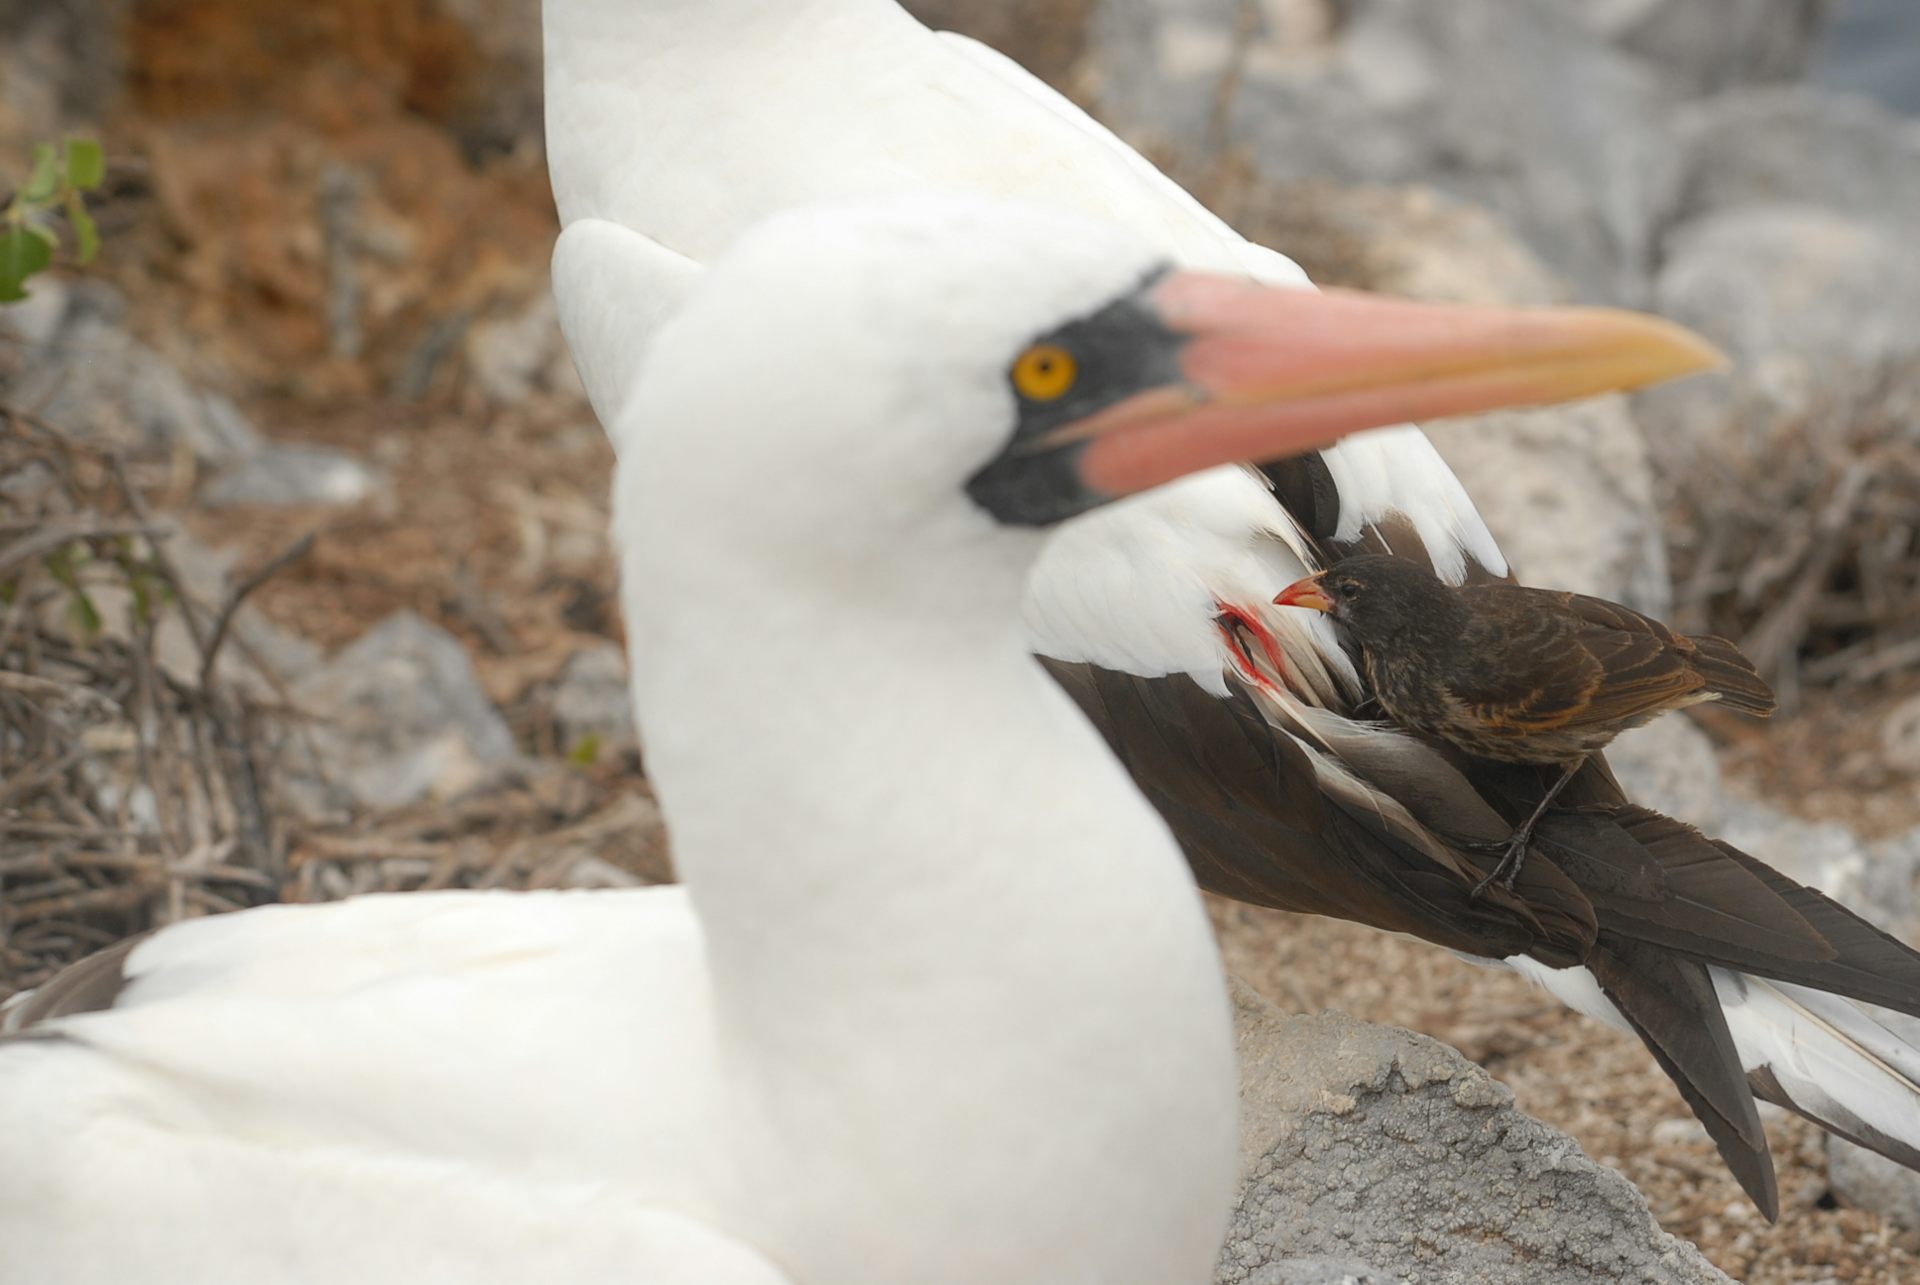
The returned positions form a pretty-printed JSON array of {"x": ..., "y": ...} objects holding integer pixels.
[{"x": 129, "y": 796}]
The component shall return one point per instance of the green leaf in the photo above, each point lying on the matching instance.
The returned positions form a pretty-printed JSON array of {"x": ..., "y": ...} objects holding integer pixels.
[
  {"x": 44, "y": 181},
  {"x": 83, "y": 617},
  {"x": 86, "y": 164},
  {"x": 22, "y": 253},
  {"x": 86, "y": 233},
  {"x": 61, "y": 561},
  {"x": 144, "y": 607}
]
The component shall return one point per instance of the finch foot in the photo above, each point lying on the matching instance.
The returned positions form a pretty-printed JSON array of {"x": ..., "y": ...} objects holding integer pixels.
[{"x": 1507, "y": 872}]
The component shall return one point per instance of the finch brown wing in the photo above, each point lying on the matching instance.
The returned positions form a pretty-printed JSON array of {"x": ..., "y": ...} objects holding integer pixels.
[{"x": 1548, "y": 661}]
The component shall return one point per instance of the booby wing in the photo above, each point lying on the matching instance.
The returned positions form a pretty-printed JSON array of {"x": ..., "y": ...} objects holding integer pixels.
[
  {"x": 407, "y": 1066},
  {"x": 614, "y": 287}
]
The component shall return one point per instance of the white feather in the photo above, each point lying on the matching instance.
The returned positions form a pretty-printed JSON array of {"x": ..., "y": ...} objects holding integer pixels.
[{"x": 1828, "y": 1055}]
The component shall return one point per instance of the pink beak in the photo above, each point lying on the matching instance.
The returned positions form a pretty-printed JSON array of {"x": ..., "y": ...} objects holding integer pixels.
[{"x": 1268, "y": 372}]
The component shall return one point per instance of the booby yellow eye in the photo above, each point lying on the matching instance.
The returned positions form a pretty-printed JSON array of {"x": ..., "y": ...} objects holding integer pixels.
[{"x": 1045, "y": 373}]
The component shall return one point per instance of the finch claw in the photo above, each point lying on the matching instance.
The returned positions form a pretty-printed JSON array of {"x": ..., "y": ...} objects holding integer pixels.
[{"x": 1507, "y": 872}]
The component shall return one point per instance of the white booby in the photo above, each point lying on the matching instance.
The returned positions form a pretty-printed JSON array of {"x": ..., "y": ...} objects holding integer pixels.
[
  {"x": 937, "y": 1001},
  {"x": 672, "y": 124}
]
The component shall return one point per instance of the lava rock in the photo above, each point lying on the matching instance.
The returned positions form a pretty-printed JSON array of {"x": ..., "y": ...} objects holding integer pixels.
[
  {"x": 1601, "y": 536},
  {"x": 400, "y": 717},
  {"x": 1320, "y": 1271},
  {"x": 1376, "y": 1145},
  {"x": 1523, "y": 108},
  {"x": 61, "y": 62},
  {"x": 1670, "y": 766},
  {"x": 93, "y": 378},
  {"x": 1878, "y": 881},
  {"x": 1867, "y": 1180},
  {"x": 1885, "y": 888},
  {"x": 1776, "y": 280},
  {"x": 1798, "y": 145},
  {"x": 1818, "y": 312},
  {"x": 1900, "y": 736},
  {"x": 1706, "y": 46},
  {"x": 514, "y": 356},
  {"x": 590, "y": 698},
  {"x": 280, "y": 476}
]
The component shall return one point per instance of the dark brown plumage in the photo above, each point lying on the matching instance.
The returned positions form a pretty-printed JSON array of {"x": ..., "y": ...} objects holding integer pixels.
[
  {"x": 1283, "y": 801},
  {"x": 1519, "y": 675}
]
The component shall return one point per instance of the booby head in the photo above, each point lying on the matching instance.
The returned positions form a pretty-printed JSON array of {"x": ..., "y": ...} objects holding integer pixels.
[{"x": 861, "y": 364}]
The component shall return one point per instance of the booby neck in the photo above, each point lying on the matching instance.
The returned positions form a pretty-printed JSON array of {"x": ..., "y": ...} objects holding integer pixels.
[
  {"x": 894, "y": 907},
  {"x": 938, "y": 917}
]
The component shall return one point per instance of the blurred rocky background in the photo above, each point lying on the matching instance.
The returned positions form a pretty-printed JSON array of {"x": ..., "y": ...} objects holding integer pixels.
[{"x": 322, "y": 311}]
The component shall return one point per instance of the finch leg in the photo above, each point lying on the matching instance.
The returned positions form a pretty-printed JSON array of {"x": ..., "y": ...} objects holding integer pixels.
[{"x": 1508, "y": 871}]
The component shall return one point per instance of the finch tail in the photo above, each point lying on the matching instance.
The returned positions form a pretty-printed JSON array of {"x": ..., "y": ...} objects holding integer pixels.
[{"x": 1731, "y": 676}]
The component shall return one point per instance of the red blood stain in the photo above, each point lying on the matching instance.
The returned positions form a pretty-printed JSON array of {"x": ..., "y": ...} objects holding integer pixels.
[{"x": 1231, "y": 621}]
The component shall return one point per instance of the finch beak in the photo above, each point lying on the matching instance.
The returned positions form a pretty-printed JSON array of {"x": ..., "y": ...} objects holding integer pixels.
[{"x": 1305, "y": 593}]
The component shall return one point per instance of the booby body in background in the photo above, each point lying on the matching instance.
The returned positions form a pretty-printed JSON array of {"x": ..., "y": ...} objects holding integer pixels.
[
  {"x": 882, "y": 1033},
  {"x": 672, "y": 124}
]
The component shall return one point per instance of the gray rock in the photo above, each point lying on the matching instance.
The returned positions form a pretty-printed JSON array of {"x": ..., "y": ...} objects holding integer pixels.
[
  {"x": 1706, "y": 46},
  {"x": 1568, "y": 491},
  {"x": 1799, "y": 146},
  {"x": 591, "y": 698},
  {"x": 1411, "y": 241},
  {"x": 1669, "y": 765},
  {"x": 1320, "y": 1271},
  {"x": 1869, "y": 50},
  {"x": 1886, "y": 889},
  {"x": 94, "y": 378},
  {"x": 280, "y": 475},
  {"x": 1867, "y": 1180},
  {"x": 1900, "y": 736},
  {"x": 35, "y": 320},
  {"x": 1376, "y": 1145},
  {"x": 1821, "y": 854},
  {"x": 1519, "y": 107},
  {"x": 61, "y": 64},
  {"x": 259, "y": 657},
  {"x": 1774, "y": 281},
  {"x": 514, "y": 356},
  {"x": 1814, "y": 309},
  {"x": 401, "y": 717}
]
